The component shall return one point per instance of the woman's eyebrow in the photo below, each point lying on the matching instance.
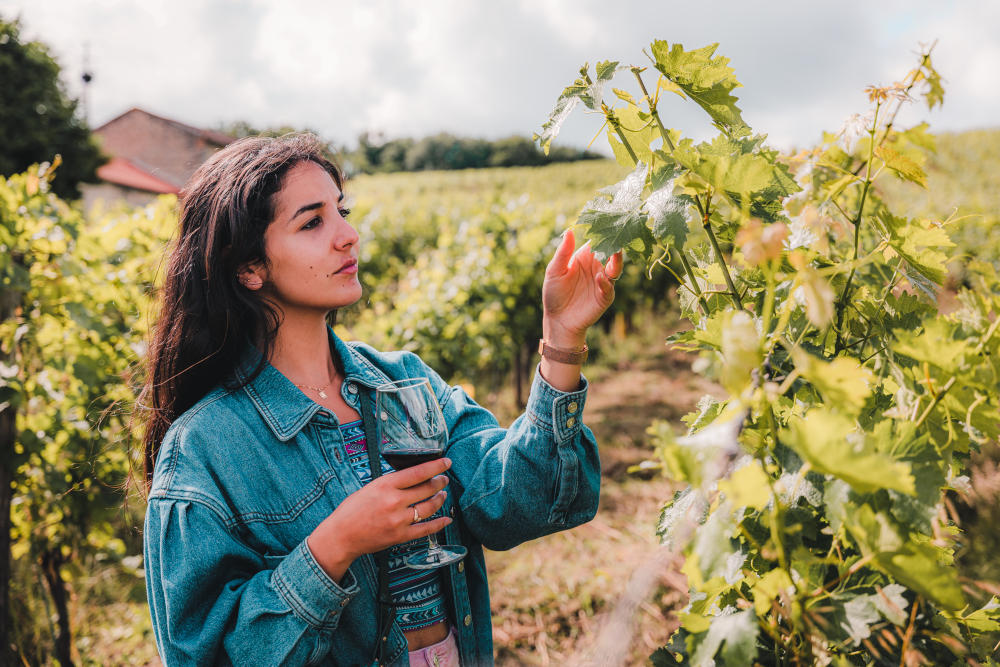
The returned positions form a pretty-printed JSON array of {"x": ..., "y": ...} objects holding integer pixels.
[{"x": 307, "y": 207}]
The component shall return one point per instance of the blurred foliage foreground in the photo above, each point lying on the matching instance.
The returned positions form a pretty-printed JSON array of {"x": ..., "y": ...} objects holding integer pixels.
[{"x": 452, "y": 265}]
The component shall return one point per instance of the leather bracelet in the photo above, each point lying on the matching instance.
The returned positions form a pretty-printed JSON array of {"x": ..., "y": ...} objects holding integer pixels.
[{"x": 562, "y": 355}]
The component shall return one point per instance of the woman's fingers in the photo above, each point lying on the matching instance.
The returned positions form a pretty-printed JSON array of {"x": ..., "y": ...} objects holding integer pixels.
[
  {"x": 613, "y": 269},
  {"x": 563, "y": 255},
  {"x": 425, "y": 528},
  {"x": 415, "y": 494},
  {"x": 409, "y": 477},
  {"x": 582, "y": 256},
  {"x": 427, "y": 507}
]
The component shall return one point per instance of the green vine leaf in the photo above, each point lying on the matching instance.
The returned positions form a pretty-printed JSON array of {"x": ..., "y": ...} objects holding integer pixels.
[
  {"x": 936, "y": 344},
  {"x": 901, "y": 165},
  {"x": 829, "y": 441},
  {"x": 891, "y": 603},
  {"x": 858, "y": 615},
  {"x": 817, "y": 478},
  {"x": 743, "y": 170},
  {"x": 731, "y": 640},
  {"x": 843, "y": 382},
  {"x": 640, "y": 130},
  {"x": 706, "y": 80},
  {"x": 615, "y": 219},
  {"x": 670, "y": 215},
  {"x": 584, "y": 89},
  {"x": 741, "y": 351},
  {"x": 625, "y": 96},
  {"x": 920, "y": 243},
  {"x": 925, "y": 569}
]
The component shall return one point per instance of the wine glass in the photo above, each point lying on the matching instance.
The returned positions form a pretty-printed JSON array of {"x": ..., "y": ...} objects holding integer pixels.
[{"x": 410, "y": 431}]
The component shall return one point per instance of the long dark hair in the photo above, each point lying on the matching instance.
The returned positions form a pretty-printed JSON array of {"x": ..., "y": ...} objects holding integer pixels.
[{"x": 205, "y": 315}]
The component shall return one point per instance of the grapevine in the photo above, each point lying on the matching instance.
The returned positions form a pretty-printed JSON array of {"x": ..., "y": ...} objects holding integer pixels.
[{"x": 814, "y": 522}]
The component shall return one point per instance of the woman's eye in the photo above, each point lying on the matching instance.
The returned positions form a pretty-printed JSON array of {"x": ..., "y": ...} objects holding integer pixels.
[{"x": 314, "y": 222}]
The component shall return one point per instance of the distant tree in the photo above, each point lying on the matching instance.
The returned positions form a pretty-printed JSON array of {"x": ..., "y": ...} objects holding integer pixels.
[
  {"x": 516, "y": 151},
  {"x": 446, "y": 151},
  {"x": 375, "y": 154},
  {"x": 38, "y": 119},
  {"x": 241, "y": 128}
]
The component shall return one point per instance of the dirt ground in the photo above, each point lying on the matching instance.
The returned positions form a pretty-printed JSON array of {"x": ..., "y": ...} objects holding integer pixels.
[{"x": 604, "y": 593}]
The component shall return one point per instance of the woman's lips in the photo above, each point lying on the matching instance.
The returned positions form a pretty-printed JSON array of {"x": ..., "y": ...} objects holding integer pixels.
[{"x": 351, "y": 266}]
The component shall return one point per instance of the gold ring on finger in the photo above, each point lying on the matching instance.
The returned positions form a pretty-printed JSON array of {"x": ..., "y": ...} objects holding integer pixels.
[{"x": 416, "y": 514}]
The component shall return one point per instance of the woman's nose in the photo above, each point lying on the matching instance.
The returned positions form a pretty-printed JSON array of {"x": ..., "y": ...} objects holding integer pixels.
[{"x": 346, "y": 236}]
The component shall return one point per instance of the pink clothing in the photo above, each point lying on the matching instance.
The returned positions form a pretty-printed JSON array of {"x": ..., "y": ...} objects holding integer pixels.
[{"x": 442, "y": 654}]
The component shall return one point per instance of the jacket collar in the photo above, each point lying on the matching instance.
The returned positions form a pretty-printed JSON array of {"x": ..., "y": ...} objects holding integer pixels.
[{"x": 282, "y": 406}]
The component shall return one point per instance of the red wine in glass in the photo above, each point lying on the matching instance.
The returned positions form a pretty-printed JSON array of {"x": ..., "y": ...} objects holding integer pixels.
[{"x": 402, "y": 459}]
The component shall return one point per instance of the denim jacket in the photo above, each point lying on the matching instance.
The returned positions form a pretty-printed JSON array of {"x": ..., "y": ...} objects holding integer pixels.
[{"x": 244, "y": 476}]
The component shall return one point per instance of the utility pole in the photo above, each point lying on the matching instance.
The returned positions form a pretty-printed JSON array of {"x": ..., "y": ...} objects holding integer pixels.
[{"x": 87, "y": 77}]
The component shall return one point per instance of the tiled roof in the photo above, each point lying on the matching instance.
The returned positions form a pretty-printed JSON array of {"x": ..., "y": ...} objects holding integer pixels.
[
  {"x": 209, "y": 135},
  {"x": 123, "y": 172}
]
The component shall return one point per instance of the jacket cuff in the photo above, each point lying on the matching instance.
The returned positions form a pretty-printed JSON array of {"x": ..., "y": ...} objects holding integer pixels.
[
  {"x": 310, "y": 592},
  {"x": 558, "y": 411}
]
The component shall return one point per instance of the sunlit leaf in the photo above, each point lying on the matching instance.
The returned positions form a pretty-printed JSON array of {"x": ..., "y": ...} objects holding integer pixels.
[
  {"x": 748, "y": 486},
  {"x": 831, "y": 444},
  {"x": 843, "y": 382},
  {"x": 901, "y": 165},
  {"x": 589, "y": 92},
  {"x": 731, "y": 640},
  {"x": 614, "y": 220},
  {"x": 669, "y": 215},
  {"x": 925, "y": 569},
  {"x": 920, "y": 243},
  {"x": 706, "y": 80}
]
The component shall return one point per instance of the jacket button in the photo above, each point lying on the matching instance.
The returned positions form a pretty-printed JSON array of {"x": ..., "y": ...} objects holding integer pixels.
[
  {"x": 571, "y": 422},
  {"x": 461, "y": 566},
  {"x": 467, "y": 620},
  {"x": 343, "y": 603},
  {"x": 353, "y": 388},
  {"x": 452, "y": 511},
  {"x": 573, "y": 407}
]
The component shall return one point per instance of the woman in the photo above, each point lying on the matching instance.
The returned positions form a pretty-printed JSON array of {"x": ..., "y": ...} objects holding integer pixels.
[{"x": 263, "y": 515}]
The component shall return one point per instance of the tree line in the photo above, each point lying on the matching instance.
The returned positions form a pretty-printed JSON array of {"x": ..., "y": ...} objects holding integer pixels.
[{"x": 376, "y": 154}]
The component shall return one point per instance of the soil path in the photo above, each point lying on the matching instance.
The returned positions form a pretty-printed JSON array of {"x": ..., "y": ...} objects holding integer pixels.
[{"x": 552, "y": 597}]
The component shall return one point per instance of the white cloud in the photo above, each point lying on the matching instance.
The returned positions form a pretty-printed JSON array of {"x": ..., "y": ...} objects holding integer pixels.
[{"x": 493, "y": 69}]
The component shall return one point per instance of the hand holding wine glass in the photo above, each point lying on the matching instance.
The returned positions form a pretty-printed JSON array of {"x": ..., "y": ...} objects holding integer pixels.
[
  {"x": 380, "y": 515},
  {"x": 411, "y": 430}
]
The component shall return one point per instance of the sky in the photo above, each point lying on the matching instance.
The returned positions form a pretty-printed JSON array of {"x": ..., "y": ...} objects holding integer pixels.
[{"x": 493, "y": 69}]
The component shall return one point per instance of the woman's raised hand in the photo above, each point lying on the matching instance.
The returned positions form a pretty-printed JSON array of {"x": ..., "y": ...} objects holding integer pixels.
[
  {"x": 380, "y": 515},
  {"x": 576, "y": 292}
]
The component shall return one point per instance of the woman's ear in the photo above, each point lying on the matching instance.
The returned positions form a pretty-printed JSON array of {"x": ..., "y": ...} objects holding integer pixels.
[{"x": 251, "y": 276}]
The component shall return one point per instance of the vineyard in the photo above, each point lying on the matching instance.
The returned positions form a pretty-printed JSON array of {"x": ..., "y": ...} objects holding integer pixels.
[{"x": 826, "y": 481}]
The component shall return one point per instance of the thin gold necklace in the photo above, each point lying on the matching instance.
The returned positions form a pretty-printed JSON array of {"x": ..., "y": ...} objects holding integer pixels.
[{"x": 319, "y": 390}]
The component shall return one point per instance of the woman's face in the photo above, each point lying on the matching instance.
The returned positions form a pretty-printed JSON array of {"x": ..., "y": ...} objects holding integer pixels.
[{"x": 312, "y": 251}]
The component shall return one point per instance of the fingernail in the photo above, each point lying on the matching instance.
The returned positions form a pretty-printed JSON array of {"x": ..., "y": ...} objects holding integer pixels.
[{"x": 447, "y": 463}]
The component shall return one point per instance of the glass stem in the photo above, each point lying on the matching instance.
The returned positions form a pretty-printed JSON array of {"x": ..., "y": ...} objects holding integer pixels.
[{"x": 432, "y": 545}]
